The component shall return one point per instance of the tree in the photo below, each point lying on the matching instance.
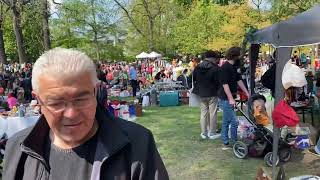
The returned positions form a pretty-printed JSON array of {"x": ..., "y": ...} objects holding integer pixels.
[
  {"x": 149, "y": 9},
  {"x": 194, "y": 32},
  {"x": 285, "y": 8},
  {"x": 238, "y": 19},
  {"x": 150, "y": 24},
  {"x": 3, "y": 57},
  {"x": 32, "y": 26},
  {"x": 83, "y": 22},
  {"x": 45, "y": 24},
  {"x": 220, "y": 2},
  {"x": 16, "y": 7},
  {"x": 211, "y": 26},
  {"x": 257, "y": 4}
]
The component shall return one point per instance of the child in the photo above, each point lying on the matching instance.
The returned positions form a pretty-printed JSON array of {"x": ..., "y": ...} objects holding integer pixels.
[
  {"x": 12, "y": 101},
  {"x": 260, "y": 112}
]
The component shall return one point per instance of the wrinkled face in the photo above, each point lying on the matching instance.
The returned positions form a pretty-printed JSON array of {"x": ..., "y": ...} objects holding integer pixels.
[{"x": 69, "y": 105}]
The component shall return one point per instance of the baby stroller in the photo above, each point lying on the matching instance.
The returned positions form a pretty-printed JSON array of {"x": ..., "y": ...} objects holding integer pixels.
[{"x": 260, "y": 143}]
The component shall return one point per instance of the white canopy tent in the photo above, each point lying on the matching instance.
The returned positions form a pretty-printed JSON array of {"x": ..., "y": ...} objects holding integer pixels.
[
  {"x": 301, "y": 30},
  {"x": 154, "y": 55},
  {"x": 142, "y": 55}
]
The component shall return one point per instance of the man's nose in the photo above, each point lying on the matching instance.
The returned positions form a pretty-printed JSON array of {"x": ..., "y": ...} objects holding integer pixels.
[{"x": 70, "y": 111}]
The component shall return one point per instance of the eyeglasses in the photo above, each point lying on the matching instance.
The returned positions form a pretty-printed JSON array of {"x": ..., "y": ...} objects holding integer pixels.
[{"x": 60, "y": 105}]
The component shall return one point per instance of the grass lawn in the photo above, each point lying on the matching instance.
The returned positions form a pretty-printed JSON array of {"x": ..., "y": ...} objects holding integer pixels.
[
  {"x": 177, "y": 134},
  {"x": 176, "y": 131}
]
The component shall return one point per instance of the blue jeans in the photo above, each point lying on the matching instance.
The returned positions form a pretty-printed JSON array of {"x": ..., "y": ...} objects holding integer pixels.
[{"x": 229, "y": 117}]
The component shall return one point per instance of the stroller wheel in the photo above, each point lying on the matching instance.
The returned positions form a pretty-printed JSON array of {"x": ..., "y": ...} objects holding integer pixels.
[
  {"x": 240, "y": 150},
  {"x": 285, "y": 154},
  {"x": 268, "y": 159}
]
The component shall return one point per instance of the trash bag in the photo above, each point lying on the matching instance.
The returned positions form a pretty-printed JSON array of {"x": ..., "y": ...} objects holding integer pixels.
[
  {"x": 293, "y": 76},
  {"x": 268, "y": 79}
]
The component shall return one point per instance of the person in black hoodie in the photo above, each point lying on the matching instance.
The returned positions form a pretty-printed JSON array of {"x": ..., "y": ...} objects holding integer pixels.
[{"x": 206, "y": 84}]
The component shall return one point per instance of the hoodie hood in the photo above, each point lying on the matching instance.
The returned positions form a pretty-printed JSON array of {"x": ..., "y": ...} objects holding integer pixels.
[{"x": 206, "y": 65}]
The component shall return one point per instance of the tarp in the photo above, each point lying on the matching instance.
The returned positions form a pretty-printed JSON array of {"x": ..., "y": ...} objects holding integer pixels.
[
  {"x": 142, "y": 55},
  {"x": 303, "y": 29}
]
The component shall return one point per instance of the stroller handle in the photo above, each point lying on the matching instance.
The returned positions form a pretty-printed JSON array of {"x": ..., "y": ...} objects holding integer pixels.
[{"x": 247, "y": 117}]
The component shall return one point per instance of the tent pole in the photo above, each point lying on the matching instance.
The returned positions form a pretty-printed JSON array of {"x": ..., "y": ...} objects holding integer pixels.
[
  {"x": 282, "y": 57},
  {"x": 253, "y": 57}
]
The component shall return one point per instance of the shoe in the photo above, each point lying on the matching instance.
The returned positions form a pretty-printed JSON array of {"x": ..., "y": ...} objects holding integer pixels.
[
  {"x": 203, "y": 136},
  {"x": 225, "y": 146},
  {"x": 214, "y": 136}
]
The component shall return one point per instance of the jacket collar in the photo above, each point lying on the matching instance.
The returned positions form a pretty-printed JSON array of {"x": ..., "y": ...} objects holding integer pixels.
[{"x": 111, "y": 138}]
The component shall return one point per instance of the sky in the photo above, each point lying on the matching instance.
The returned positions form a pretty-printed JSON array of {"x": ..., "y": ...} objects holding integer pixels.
[{"x": 265, "y": 5}]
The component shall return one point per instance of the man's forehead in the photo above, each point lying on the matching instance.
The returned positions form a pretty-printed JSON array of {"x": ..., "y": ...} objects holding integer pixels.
[{"x": 81, "y": 82}]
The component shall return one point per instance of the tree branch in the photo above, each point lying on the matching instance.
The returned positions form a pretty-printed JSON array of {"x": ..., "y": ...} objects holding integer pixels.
[
  {"x": 257, "y": 3},
  {"x": 301, "y": 9},
  {"x": 129, "y": 17},
  {"x": 7, "y": 2},
  {"x": 56, "y": 3},
  {"x": 24, "y": 2}
]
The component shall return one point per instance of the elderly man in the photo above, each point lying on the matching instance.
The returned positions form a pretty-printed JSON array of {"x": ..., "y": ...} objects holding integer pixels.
[{"x": 75, "y": 138}]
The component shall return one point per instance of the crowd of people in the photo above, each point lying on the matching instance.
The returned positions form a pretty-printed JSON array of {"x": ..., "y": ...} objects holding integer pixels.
[
  {"x": 74, "y": 124},
  {"x": 15, "y": 81},
  {"x": 142, "y": 74}
]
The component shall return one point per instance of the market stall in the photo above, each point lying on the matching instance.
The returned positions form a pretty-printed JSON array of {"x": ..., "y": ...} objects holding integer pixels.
[
  {"x": 166, "y": 93},
  {"x": 304, "y": 29},
  {"x": 142, "y": 55}
]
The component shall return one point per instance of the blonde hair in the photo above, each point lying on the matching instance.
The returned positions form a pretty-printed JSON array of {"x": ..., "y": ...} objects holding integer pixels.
[{"x": 61, "y": 63}]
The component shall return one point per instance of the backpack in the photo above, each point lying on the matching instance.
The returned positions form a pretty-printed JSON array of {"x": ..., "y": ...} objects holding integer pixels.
[{"x": 268, "y": 79}]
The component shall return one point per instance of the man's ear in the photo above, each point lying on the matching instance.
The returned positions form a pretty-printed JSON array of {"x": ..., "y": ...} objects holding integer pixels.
[{"x": 34, "y": 94}]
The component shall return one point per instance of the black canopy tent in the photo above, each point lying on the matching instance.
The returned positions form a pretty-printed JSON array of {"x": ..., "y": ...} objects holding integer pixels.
[{"x": 301, "y": 30}]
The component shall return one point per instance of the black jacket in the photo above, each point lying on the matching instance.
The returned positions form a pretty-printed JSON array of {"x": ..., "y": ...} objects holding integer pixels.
[
  {"x": 124, "y": 151},
  {"x": 206, "y": 79},
  {"x": 185, "y": 81}
]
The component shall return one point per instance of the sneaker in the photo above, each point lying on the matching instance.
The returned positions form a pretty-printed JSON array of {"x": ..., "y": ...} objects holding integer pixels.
[
  {"x": 214, "y": 136},
  {"x": 203, "y": 136},
  {"x": 225, "y": 146}
]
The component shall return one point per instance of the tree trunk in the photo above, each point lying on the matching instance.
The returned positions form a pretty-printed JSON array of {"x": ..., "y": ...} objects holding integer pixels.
[
  {"x": 97, "y": 45},
  {"x": 3, "y": 58},
  {"x": 151, "y": 38},
  {"x": 45, "y": 25},
  {"x": 19, "y": 35},
  {"x": 95, "y": 30}
]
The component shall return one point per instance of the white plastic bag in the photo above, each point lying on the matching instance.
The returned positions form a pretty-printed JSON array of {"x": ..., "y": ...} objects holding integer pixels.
[
  {"x": 145, "y": 101},
  {"x": 194, "y": 100},
  {"x": 306, "y": 177},
  {"x": 293, "y": 76}
]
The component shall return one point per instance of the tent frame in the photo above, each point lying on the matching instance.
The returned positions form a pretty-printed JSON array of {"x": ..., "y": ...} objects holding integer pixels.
[{"x": 272, "y": 35}]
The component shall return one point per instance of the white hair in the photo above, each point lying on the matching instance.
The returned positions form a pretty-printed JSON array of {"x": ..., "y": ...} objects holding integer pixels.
[{"x": 61, "y": 63}]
